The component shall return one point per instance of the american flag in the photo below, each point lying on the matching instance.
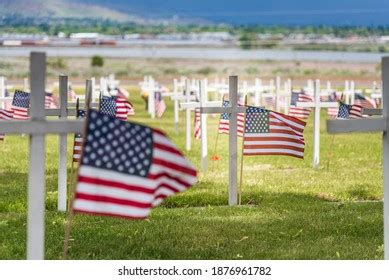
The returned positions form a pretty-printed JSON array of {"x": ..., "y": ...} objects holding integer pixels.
[
  {"x": 117, "y": 107},
  {"x": 5, "y": 115},
  {"x": 272, "y": 133},
  {"x": 333, "y": 112},
  {"x": 299, "y": 112},
  {"x": 349, "y": 111},
  {"x": 78, "y": 139},
  {"x": 72, "y": 94},
  {"x": 123, "y": 108},
  {"x": 127, "y": 169},
  {"x": 49, "y": 101},
  {"x": 20, "y": 105},
  {"x": 224, "y": 123},
  {"x": 364, "y": 102},
  {"x": 197, "y": 124},
  {"x": 160, "y": 106}
]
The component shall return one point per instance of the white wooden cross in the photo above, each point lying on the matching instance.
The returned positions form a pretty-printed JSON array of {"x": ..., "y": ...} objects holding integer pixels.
[
  {"x": 233, "y": 110},
  {"x": 370, "y": 125},
  {"x": 317, "y": 105},
  {"x": 179, "y": 96},
  {"x": 38, "y": 127},
  {"x": 189, "y": 106}
]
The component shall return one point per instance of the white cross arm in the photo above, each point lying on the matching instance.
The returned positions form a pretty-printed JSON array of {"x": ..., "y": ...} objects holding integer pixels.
[
  {"x": 361, "y": 125},
  {"x": 192, "y": 105},
  {"x": 221, "y": 110},
  {"x": 182, "y": 97},
  {"x": 41, "y": 127},
  {"x": 322, "y": 104}
]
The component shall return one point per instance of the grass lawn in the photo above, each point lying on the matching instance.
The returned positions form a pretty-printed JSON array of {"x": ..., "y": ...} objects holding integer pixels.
[{"x": 290, "y": 211}]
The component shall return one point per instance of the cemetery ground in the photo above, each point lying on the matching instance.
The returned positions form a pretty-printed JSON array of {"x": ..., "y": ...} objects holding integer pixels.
[{"x": 289, "y": 210}]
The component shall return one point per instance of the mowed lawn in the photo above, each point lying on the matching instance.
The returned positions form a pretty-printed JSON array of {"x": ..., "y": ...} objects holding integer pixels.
[{"x": 289, "y": 211}]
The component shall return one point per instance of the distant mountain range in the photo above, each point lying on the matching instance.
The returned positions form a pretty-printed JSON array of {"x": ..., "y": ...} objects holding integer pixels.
[{"x": 274, "y": 12}]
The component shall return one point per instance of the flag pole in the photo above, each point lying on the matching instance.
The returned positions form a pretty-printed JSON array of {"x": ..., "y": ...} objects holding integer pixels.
[
  {"x": 330, "y": 152},
  {"x": 70, "y": 219},
  {"x": 241, "y": 161}
]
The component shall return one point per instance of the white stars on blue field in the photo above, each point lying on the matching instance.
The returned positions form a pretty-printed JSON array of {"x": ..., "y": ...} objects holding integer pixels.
[
  {"x": 117, "y": 145},
  {"x": 257, "y": 120}
]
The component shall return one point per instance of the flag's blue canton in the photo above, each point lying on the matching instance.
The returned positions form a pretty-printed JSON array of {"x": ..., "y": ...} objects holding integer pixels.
[
  {"x": 158, "y": 96},
  {"x": 108, "y": 106},
  {"x": 257, "y": 120},
  {"x": 294, "y": 99},
  {"x": 80, "y": 115},
  {"x": 118, "y": 145},
  {"x": 225, "y": 116},
  {"x": 344, "y": 111},
  {"x": 21, "y": 99}
]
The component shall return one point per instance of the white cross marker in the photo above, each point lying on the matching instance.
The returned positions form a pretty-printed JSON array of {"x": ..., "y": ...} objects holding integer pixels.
[
  {"x": 38, "y": 127},
  {"x": 188, "y": 106},
  {"x": 317, "y": 105},
  {"x": 233, "y": 110},
  {"x": 368, "y": 125}
]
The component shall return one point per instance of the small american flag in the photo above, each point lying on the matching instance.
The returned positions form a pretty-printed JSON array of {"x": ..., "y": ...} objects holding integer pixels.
[
  {"x": 5, "y": 115},
  {"x": 365, "y": 102},
  {"x": 349, "y": 111},
  {"x": 49, "y": 101},
  {"x": 333, "y": 112},
  {"x": 127, "y": 169},
  {"x": 224, "y": 123},
  {"x": 72, "y": 94},
  {"x": 299, "y": 112},
  {"x": 123, "y": 108},
  {"x": 20, "y": 105},
  {"x": 117, "y": 107},
  {"x": 160, "y": 106},
  {"x": 78, "y": 139},
  {"x": 197, "y": 124},
  {"x": 272, "y": 133}
]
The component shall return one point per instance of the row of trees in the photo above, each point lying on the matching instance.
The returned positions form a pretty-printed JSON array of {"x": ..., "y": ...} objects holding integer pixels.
[{"x": 51, "y": 26}]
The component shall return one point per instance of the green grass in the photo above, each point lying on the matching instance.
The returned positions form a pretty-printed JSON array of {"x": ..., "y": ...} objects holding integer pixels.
[{"x": 290, "y": 211}]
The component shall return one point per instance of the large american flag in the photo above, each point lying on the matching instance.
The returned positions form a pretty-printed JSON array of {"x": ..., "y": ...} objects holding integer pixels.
[
  {"x": 20, "y": 105},
  {"x": 78, "y": 139},
  {"x": 349, "y": 111},
  {"x": 160, "y": 106},
  {"x": 299, "y": 112},
  {"x": 5, "y": 115},
  {"x": 224, "y": 123},
  {"x": 197, "y": 123},
  {"x": 127, "y": 169},
  {"x": 272, "y": 133}
]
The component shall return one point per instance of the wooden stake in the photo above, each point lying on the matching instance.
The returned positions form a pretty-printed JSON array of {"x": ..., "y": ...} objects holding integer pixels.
[{"x": 69, "y": 223}]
